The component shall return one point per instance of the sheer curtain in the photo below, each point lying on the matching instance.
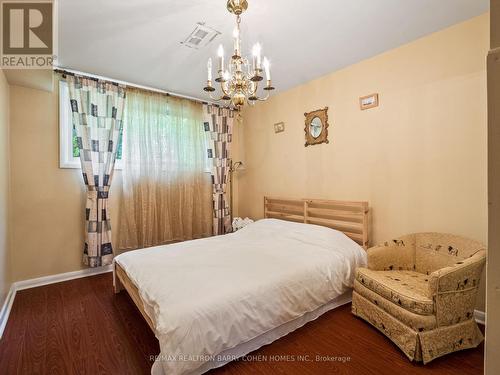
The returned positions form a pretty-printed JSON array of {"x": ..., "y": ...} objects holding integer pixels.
[{"x": 166, "y": 187}]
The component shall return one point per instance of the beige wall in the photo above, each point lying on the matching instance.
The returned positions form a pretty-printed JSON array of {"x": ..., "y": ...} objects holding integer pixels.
[
  {"x": 419, "y": 159},
  {"x": 47, "y": 202},
  {"x": 492, "y": 360},
  {"x": 4, "y": 188}
]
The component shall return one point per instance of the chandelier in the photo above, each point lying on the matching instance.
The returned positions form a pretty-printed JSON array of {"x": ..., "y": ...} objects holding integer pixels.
[{"x": 239, "y": 80}]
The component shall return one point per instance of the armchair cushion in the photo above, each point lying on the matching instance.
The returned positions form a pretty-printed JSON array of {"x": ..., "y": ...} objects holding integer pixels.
[
  {"x": 407, "y": 289},
  {"x": 417, "y": 322}
]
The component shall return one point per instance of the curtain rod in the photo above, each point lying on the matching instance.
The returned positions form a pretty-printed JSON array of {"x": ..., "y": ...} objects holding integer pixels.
[{"x": 67, "y": 71}]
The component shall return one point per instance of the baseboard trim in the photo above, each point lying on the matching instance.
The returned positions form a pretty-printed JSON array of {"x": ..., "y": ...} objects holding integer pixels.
[
  {"x": 7, "y": 306},
  {"x": 480, "y": 317},
  {"x": 60, "y": 277},
  {"x": 40, "y": 281}
]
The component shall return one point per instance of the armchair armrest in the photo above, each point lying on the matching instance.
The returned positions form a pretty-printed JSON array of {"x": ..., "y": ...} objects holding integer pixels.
[
  {"x": 397, "y": 254},
  {"x": 463, "y": 275},
  {"x": 454, "y": 289}
]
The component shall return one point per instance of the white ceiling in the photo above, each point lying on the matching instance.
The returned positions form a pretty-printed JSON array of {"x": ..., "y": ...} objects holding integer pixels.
[{"x": 139, "y": 40}]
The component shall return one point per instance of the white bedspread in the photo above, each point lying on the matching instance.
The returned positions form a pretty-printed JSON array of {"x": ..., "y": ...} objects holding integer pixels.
[{"x": 209, "y": 295}]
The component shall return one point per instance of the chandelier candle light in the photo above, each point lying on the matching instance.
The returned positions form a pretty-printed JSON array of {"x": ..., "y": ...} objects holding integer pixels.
[{"x": 239, "y": 81}]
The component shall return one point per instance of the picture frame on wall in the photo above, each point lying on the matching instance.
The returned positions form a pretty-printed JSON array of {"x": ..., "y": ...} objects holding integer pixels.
[
  {"x": 279, "y": 127},
  {"x": 368, "y": 101}
]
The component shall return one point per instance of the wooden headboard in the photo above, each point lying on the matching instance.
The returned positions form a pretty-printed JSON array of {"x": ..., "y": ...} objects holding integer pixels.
[{"x": 348, "y": 217}]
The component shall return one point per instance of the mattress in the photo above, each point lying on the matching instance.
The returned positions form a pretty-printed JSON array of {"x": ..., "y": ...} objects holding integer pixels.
[{"x": 214, "y": 295}]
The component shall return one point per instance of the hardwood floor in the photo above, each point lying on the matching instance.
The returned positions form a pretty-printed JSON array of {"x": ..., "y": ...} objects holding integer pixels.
[{"x": 81, "y": 327}]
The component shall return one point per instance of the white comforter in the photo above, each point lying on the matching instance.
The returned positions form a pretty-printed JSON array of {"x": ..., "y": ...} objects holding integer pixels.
[{"x": 209, "y": 295}]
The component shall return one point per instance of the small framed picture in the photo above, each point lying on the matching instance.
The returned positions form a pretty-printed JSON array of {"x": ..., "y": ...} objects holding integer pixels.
[
  {"x": 369, "y": 101},
  {"x": 279, "y": 127}
]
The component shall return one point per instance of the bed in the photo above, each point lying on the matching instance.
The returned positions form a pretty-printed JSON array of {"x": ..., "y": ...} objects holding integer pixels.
[{"x": 213, "y": 300}]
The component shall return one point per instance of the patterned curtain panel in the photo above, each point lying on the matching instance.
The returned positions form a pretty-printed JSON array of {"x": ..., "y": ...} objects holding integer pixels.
[
  {"x": 166, "y": 187},
  {"x": 97, "y": 112},
  {"x": 218, "y": 123}
]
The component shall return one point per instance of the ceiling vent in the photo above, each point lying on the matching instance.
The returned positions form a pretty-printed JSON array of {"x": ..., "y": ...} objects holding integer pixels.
[{"x": 200, "y": 37}]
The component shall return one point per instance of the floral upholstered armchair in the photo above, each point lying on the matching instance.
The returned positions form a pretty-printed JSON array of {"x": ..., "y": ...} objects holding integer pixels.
[{"x": 420, "y": 291}]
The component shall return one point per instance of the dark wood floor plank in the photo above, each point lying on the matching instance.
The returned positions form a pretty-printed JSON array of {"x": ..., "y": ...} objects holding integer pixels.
[
  {"x": 59, "y": 345},
  {"x": 81, "y": 327},
  {"x": 76, "y": 297},
  {"x": 126, "y": 353},
  {"x": 13, "y": 352},
  {"x": 36, "y": 333},
  {"x": 107, "y": 337}
]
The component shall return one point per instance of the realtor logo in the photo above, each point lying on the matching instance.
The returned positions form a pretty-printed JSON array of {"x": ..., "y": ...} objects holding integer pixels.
[{"x": 27, "y": 34}]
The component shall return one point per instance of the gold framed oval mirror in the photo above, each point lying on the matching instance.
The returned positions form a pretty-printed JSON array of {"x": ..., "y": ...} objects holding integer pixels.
[{"x": 316, "y": 127}]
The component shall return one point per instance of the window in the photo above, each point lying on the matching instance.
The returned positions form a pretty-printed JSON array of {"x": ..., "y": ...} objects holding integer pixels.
[{"x": 69, "y": 154}]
